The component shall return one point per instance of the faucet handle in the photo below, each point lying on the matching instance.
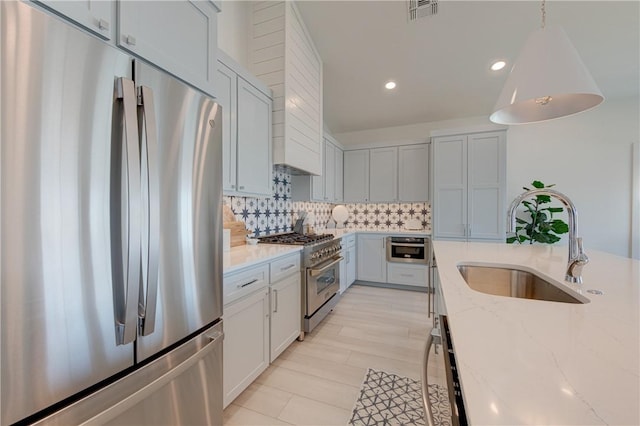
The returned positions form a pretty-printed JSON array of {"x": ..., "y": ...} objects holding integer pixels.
[{"x": 582, "y": 256}]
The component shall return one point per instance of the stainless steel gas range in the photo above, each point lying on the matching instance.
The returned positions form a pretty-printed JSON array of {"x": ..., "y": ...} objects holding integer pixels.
[{"x": 320, "y": 273}]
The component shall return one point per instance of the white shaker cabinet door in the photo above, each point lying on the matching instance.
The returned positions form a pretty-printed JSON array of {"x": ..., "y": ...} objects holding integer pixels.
[
  {"x": 178, "y": 36},
  {"x": 246, "y": 342},
  {"x": 372, "y": 261},
  {"x": 383, "y": 174},
  {"x": 94, "y": 15},
  {"x": 227, "y": 98},
  {"x": 285, "y": 314},
  {"x": 487, "y": 186},
  {"x": 356, "y": 175},
  {"x": 254, "y": 140},
  {"x": 339, "y": 183},
  {"x": 329, "y": 172},
  {"x": 413, "y": 173},
  {"x": 450, "y": 187}
]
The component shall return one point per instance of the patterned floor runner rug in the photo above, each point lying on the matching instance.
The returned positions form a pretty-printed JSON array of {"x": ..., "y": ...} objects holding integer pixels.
[{"x": 388, "y": 399}]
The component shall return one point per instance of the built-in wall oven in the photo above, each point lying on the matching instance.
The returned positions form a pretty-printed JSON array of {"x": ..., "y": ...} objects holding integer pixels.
[{"x": 408, "y": 249}]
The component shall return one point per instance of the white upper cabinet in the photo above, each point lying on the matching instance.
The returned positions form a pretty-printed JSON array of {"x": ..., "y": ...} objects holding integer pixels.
[
  {"x": 356, "y": 175},
  {"x": 383, "y": 174},
  {"x": 326, "y": 187},
  {"x": 339, "y": 183},
  {"x": 178, "y": 36},
  {"x": 329, "y": 172},
  {"x": 413, "y": 172},
  {"x": 94, "y": 15},
  {"x": 387, "y": 174},
  {"x": 228, "y": 99},
  {"x": 246, "y": 131},
  {"x": 469, "y": 184},
  {"x": 254, "y": 140},
  {"x": 283, "y": 56}
]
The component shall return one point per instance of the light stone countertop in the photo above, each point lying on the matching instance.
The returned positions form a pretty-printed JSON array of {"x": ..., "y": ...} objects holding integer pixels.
[
  {"x": 248, "y": 255},
  {"x": 341, "y": 232},
  {"x": 537, "y": 362}
]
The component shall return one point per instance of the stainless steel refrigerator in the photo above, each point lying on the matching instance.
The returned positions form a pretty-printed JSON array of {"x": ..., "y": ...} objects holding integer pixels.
[{"x": 111, "y": 265}]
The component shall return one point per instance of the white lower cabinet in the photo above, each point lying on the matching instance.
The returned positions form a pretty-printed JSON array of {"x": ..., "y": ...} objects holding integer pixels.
[
  {"x": 286, "y": 303},
  {"x": 285, "y": 314},
  {"x": 350, "y": 242},
  {"x": 372, "y": 265},
  {"x": 407, "y": 274},
  {"x": 246, "y": 342},
  {"x": 262, "y": 317}
]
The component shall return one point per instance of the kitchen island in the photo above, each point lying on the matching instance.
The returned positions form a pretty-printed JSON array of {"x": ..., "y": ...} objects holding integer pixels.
[{"x": 527, "y": 361}]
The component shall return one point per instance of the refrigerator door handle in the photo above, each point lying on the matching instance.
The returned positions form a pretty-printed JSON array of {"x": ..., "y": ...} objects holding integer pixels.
[
  {"x": 126, "y": 295},
  {"x": 150, "y": 177}
]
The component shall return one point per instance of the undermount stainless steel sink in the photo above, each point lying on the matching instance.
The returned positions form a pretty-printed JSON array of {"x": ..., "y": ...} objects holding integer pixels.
[{"x": 511, "y": 282}]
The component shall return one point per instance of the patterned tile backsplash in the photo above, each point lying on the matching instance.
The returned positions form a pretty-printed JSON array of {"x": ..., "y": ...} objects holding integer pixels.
[{"x": 276, "y": 214}]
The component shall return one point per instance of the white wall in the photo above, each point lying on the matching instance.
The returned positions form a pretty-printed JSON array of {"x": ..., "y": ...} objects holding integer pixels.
[
  {"x": 233, "y": 30},
  {"x": 588, "y": 156}
]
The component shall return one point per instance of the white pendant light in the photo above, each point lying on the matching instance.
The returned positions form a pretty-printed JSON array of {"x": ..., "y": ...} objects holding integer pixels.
[{"x": 549, "y": 80}]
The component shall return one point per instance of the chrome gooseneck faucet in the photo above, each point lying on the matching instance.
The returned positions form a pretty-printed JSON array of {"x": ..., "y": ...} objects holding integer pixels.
[{"x": 577, "y": 256}]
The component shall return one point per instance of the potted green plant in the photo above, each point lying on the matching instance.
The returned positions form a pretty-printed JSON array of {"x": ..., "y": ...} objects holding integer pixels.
[{"x": 540, "y": 227}]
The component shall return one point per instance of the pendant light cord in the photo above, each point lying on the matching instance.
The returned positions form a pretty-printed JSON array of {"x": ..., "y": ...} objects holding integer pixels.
[{"x": 544, "y": 14}]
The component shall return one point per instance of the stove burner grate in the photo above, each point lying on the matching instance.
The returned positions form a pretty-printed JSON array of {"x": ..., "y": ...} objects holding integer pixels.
[{"x": 295, "y": 238}]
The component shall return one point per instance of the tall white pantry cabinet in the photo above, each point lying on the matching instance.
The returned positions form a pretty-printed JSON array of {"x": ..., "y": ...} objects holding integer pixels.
[{"x": 469, "y": 186}]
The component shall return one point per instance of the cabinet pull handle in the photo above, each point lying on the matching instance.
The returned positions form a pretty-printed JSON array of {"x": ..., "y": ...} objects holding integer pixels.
[
  {"x": 275, "y": 303},
  {"x": 130, "y": 40},
  {"x": 284, "y": 268},
  {"x": 103, "y": 25},
  {"x": 241, "y": 187},
  {"x": 247, "y": 283}
]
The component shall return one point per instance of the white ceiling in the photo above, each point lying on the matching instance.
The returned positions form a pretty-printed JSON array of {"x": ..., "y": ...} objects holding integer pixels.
[{"x": 441, "y": 62}]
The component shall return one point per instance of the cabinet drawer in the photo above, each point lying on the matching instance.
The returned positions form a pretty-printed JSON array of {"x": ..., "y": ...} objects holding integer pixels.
[
  {"x": 288, "y": 265},
  {"x": 241, "y": 283},
  {"x": 349, "y": 241},
  {"x": 416, "y": 275}
]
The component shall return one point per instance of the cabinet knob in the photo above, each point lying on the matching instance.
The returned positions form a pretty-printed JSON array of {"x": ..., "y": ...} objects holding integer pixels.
[
  {"x": 233, "y": 186},
  {"x": 130, "y": 40},
  {"x": 103, "y": 25},
  {"x": 241, "y": 187}
]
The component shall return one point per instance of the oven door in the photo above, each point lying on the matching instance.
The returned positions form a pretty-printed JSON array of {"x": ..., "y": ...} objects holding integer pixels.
[
  {"x": 407, "y": 250},
  {"x": 323, "y": 281}
]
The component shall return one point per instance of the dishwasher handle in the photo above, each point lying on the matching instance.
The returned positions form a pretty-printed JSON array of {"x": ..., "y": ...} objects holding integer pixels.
[{"x": 426, "y": 404}]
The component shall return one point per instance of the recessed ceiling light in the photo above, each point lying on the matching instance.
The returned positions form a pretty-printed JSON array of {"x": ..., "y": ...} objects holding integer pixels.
[
  {"x": 390, "y": 85},
  {"x": 498, "y": 65}
]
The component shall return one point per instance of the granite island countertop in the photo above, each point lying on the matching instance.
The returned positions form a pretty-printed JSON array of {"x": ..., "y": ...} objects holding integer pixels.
[{"x": 537, "y": 362}]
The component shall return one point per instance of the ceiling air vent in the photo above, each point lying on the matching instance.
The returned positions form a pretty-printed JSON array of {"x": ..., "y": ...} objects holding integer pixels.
[{"x": 422, "y": 8}]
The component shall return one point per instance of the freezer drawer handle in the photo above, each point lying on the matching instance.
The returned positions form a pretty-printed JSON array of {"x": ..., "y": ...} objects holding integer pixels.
[
  {"x": 124, "y": 404},
  {"x": 127, "y": 219},
  {"x": 150, "y": 178}
]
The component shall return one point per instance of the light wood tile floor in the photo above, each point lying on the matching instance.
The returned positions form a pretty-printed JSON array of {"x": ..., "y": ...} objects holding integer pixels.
[{"x": 317, "y": 381}]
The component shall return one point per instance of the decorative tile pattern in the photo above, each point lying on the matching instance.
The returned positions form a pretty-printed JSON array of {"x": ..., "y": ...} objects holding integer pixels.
[
  {"x": 266, "y": 215},
  {"x": 387, "y": 399},
  {"x": 387, "y": 216},
  {"x": 270, "y": 215}
]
